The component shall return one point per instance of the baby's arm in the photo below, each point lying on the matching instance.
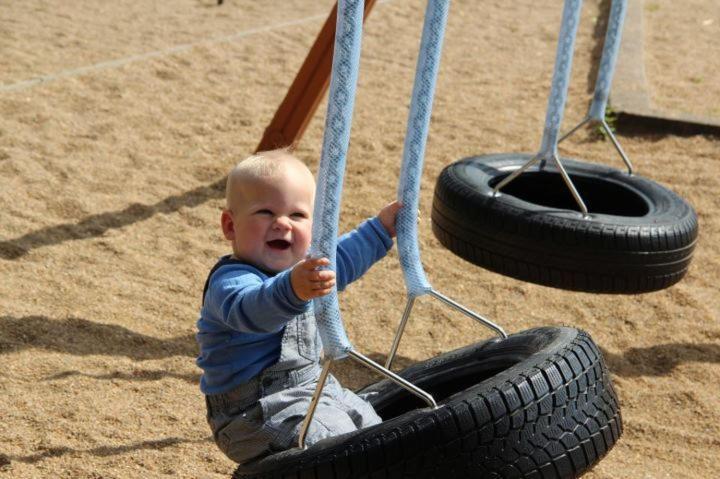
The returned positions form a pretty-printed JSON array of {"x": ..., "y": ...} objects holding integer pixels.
[
  {"x": 359, "y": 249},
  {"x": 246, "y": 302},
  {"x": 356, "y": 252}
]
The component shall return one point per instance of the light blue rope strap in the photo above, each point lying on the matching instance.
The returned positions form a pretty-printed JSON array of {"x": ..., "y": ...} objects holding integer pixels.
[
  {"x": 414, "y": 149},
  {"x": 608, "y": 60},
  {"x": 345, "y": 66},
  {"x": 561, "y": 78}
]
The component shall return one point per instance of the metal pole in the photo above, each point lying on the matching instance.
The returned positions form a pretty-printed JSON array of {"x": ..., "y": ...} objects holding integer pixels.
[
  {"x": 609, "y": 132},
  {"x": 425, "y": 396},
  {"x": 577, "y": 127},
  {"x": 399, "y": 333},
  {"x": 617, "y": 146},
  {"x": 515, "y": 174},
  {"x": 314, "y": 402},
  {"x": 467, "y": 312},
  {"x": 571, "y": 186}
]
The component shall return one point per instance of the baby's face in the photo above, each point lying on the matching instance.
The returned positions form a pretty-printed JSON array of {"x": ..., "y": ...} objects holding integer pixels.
[{"x": 272, "y": 222}]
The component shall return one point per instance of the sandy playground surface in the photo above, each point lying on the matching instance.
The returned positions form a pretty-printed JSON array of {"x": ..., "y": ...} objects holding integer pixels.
[{"x": 118, "y": 121}]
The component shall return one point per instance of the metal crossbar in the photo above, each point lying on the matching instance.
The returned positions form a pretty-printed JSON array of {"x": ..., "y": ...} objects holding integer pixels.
[{"x": 558, "y": 94}]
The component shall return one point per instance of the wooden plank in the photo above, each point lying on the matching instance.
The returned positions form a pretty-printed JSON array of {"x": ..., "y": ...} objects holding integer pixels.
[
  {"x": 307, "y": 90},
  {"x": 630, "y": 93}
]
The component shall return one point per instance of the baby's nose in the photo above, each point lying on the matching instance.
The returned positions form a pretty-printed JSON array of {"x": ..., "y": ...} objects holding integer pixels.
[{"x": 282, "y": 222}]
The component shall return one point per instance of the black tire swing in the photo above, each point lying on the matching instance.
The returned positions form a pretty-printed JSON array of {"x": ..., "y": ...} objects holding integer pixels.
[
  {"x": 565, "y": 223},
  {"x": 539, "y": 403}
]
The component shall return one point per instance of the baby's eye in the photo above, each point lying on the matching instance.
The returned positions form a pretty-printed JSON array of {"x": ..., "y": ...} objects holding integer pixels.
[
  {"x": 299, "y": 215},
  {"x": 264, "y": 212}
]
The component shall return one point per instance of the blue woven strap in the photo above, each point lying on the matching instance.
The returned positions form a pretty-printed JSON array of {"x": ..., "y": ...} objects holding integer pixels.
[
  {"x": 345, "y": 66},
  {"x": 414, "y": 149},
  {"x": 608, "y": 60},
  {"x": 561, "y": 78}
]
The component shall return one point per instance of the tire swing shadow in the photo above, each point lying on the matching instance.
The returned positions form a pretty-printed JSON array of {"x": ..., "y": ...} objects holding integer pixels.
[
  {"x": 96, "y": 225},
  {"x": 135, "y": 375},
  {"x": 661, "y": 359},
  {"x": 82, "y": 337},
  {"x": 101, "y": 451}
]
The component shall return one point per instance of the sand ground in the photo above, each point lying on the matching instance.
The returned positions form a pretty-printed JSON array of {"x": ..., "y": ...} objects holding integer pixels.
[{"x": 118, "y": 122}]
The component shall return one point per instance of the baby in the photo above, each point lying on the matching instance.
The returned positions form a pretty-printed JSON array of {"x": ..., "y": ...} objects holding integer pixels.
[{"x": 259, "y": 345}]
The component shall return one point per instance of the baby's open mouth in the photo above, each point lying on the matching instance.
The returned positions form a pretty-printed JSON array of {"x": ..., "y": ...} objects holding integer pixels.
[{"x": 279, "y": 244}]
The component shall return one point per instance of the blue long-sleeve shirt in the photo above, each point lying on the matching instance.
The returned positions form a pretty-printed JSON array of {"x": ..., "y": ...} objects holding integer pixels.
[{"x": 245, "y": 309}]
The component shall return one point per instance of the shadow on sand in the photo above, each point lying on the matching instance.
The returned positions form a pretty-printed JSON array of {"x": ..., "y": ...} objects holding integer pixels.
[
  {"x": 82, "y": 337},
  {"x": 661, "y": 359},
  {"x": 96, "y": 225},
  {"x": 102, "y": 451}
]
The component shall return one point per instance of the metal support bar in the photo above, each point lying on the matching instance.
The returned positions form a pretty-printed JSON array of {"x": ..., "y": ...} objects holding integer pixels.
[
  {"x": 515, "y": 174},
  {"x": 314, "y": 402},
  {"x": 447, "y": 301},
  {"x": 571, "y": 186},
  {"x": 469, "y": 313},
  {"x": 617, "y": 147},
  {"x": 425, "y": 396},
  {"x": 563, "y": 173},
  {"x": 609, "y": 132},
  {"x": 399, "y": 333},
  {"x": 577, "y": 127}
]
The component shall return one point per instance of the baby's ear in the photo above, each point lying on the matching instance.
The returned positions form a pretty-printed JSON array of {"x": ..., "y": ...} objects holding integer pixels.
[{"x": 227, "y": 225}]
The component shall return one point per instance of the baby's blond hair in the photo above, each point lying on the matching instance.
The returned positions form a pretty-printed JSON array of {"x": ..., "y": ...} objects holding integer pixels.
[{"x": 263, "y": 164}]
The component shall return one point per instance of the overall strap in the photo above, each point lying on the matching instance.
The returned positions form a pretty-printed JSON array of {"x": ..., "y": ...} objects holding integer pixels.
[{"x": 221, "y": 262}]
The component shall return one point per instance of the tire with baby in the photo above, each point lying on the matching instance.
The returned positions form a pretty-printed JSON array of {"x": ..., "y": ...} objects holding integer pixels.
[{"x": 537, "y": 404}]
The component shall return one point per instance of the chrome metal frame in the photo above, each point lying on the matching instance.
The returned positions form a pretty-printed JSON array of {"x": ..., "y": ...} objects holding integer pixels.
[
  {"x": 563, "y": 173},
  {"x": 554, "y": 157},
  {"x": 606, "y": 127},
  {"x": 447, "y": 301},
  {"x": 327, "y": 362},
  {"x": 596, "y": 113},
  {"x": 314, "y": 402}
]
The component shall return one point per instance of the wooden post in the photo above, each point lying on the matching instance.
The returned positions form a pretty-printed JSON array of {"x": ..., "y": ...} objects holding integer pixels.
[{"x": 306, "y": 91}]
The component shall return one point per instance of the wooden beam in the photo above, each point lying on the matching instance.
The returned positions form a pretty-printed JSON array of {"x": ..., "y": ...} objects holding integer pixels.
[
  {"x": 631, "y": 94},
  {"x": 306, "y": 91}
]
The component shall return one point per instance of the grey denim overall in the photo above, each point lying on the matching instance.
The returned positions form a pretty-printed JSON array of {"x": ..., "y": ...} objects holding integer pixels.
[{"x": 264, "y": 415}]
